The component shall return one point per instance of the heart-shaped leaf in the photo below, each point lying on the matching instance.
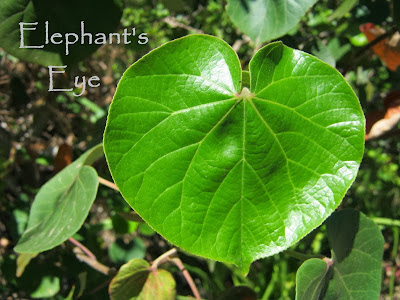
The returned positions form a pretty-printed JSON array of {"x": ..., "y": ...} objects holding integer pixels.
[
  {"x": 135, "y": 280},
  {"x": 63, "y": 17},
  {"x": 355, "y": 270},
  {"x": 227, "y": 174},
  {"x": 264, "y": 20},
  {"x": 61, "y": 205}
]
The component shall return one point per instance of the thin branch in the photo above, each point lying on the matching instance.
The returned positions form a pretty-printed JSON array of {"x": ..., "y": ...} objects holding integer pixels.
[
  {"x": 82, "y": 247},
  {"x": 301, "y": 256},
  {"x": 162, "y": 259},
  {"x": 80, "y": 255},
  {"x": 174, "y": 23},
  {"x": 187, "y": 276},
  {"x": 386, "y": 221},
  {"x": 108, "y": 183},
  {"x": 166, "y": 257}
]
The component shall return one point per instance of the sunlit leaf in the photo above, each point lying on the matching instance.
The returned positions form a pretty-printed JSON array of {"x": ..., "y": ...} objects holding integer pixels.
[{"x": 233, "y": 175}]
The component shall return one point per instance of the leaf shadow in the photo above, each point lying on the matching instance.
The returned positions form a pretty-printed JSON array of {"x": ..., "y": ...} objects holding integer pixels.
[{"x": 342, "y": 228}]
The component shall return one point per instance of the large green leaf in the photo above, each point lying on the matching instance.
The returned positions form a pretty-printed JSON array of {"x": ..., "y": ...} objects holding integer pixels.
[
  {"x": 264, "y": 20},
  {"x": 61, "y": 205},
  {"x": 63, "y": 17},
  {"x": 227, "y": 174},
  {"x": 355, "y": 270}
]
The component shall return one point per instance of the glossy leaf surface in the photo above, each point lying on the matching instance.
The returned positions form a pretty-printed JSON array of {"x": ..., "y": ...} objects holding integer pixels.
[
  {"x": 228, "y": 174},
  {"x": 265, "y": 20},
  {"x": 63, "y": 17},
  {"x": 355, "y": 272},
  {"x": 61, "y": 205}
]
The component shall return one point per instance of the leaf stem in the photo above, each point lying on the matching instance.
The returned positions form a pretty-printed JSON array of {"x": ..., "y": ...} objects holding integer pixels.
[
  {"x": 108, "y": 183},
  {"x": 166, "y": 257},
  {"x": 386, "y": 221},
  {"x": 80, "y": 255},
  {"x": 187, "y": 276},
  {"x": 301, "y": 256},
  {"x": 82, "y": 247},
  {"x": 162, "y": 258}
]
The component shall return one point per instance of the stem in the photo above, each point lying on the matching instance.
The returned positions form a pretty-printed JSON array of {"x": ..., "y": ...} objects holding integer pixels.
[
  {"x": 82, "y": 247},
  {"x": 386, "y": 221},
  {"x": 187, "y": 276},
  {"x": 301, "y": 256},
  {"x": 162, "y": 258},
  {"x": 108, "y": 183},
  {"x": 271, "y": 284},
  {"x": 80, "y": 255},
  {"x": 167, "y": 257}
]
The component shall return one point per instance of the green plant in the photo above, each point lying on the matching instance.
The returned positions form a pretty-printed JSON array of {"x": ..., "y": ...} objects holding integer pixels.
[
  {"x": 224, "y": 170},
  {"x": 228, "y": 164}
]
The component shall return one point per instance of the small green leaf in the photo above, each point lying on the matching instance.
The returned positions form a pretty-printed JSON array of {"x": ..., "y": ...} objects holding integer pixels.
[
  {"x": 23, "y": 260},
  {"x": 135, "y": 280},
  {"x": 311, "y": 279},
  {"x": 233, "y": 175},
  {"x": 159, "y": 285},
  {"x": 49, "y": 286},
  {"x": 63, "y": 17},
  {"x": 129, "y": 281},
  {"x": 265, "y": 20},
  {"x": 61, "y": 205},
  {"x": 355, "y": 272}
]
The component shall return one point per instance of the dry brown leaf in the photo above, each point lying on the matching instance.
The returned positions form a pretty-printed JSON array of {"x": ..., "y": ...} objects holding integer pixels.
[
  {"x": 388, "y": 49},
  {"x": 63, "y": 158},
  {"x": 381, "y": 121}
]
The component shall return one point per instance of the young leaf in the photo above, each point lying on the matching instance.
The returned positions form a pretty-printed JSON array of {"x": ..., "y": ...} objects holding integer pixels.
[
  {"x": 355, "y": 272},
  {"x": 63, "y": 17},
  {"x": 61, "y": 205},
  {"x": 311, "y": 279},
  {"x": 265, "y": 20},
  {"x": 129, "y": 281},
  {"x": 135, "y": 280},
  {"x": 227, "y": 174}
]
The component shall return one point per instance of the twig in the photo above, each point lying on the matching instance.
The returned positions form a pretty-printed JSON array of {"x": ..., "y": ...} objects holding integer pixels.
[
  {"x": 167, "y": 257},
  {"x": 80, "y": 255},
  {"x": 82, "y": 247},
  {"x": 173, "y": 22},
  {"x": 108, "y": 183},
  {"x": 301, "y": 256},
  {"x": 162, "y": 258},
  {"x": 187, "y": 276},
  {"x": 386, "y": 221}
]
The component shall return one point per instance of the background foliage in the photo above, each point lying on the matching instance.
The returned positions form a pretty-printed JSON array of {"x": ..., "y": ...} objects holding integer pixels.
[{"x": 34, "y": 123}]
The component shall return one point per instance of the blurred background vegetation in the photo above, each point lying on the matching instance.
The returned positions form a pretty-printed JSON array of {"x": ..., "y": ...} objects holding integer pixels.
[{"x": 35, "y": 123}]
